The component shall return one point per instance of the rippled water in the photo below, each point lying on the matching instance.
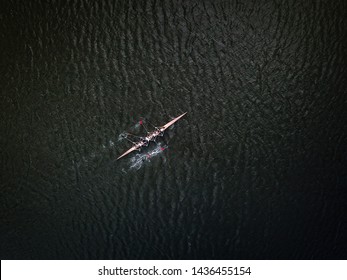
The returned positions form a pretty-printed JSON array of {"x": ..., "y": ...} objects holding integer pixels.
[{"x": 255, "y": 170}]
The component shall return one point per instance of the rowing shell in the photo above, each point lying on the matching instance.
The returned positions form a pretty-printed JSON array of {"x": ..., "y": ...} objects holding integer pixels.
[{"x": 151, "y": 136}]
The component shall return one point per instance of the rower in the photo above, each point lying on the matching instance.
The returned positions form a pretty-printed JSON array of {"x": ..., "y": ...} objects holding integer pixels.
[
  {"x": 145, "y": 142},
  {"x": 159, "y": 131}
]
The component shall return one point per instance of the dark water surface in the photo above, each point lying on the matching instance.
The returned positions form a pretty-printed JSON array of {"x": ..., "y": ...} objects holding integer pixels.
[{"x": 256, "y": 169}]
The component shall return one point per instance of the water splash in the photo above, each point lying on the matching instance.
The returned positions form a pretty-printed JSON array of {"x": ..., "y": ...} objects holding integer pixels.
[
  {"x": 137, "y": 161},
  {"x": 122, "y": 136}
]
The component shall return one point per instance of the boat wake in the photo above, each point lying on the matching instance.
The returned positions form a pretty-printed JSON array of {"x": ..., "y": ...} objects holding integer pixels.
[{"x": 137, "y": 161}]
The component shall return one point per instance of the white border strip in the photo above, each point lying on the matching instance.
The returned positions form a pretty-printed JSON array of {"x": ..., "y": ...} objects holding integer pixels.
[{"x": 87, "y": 270}]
